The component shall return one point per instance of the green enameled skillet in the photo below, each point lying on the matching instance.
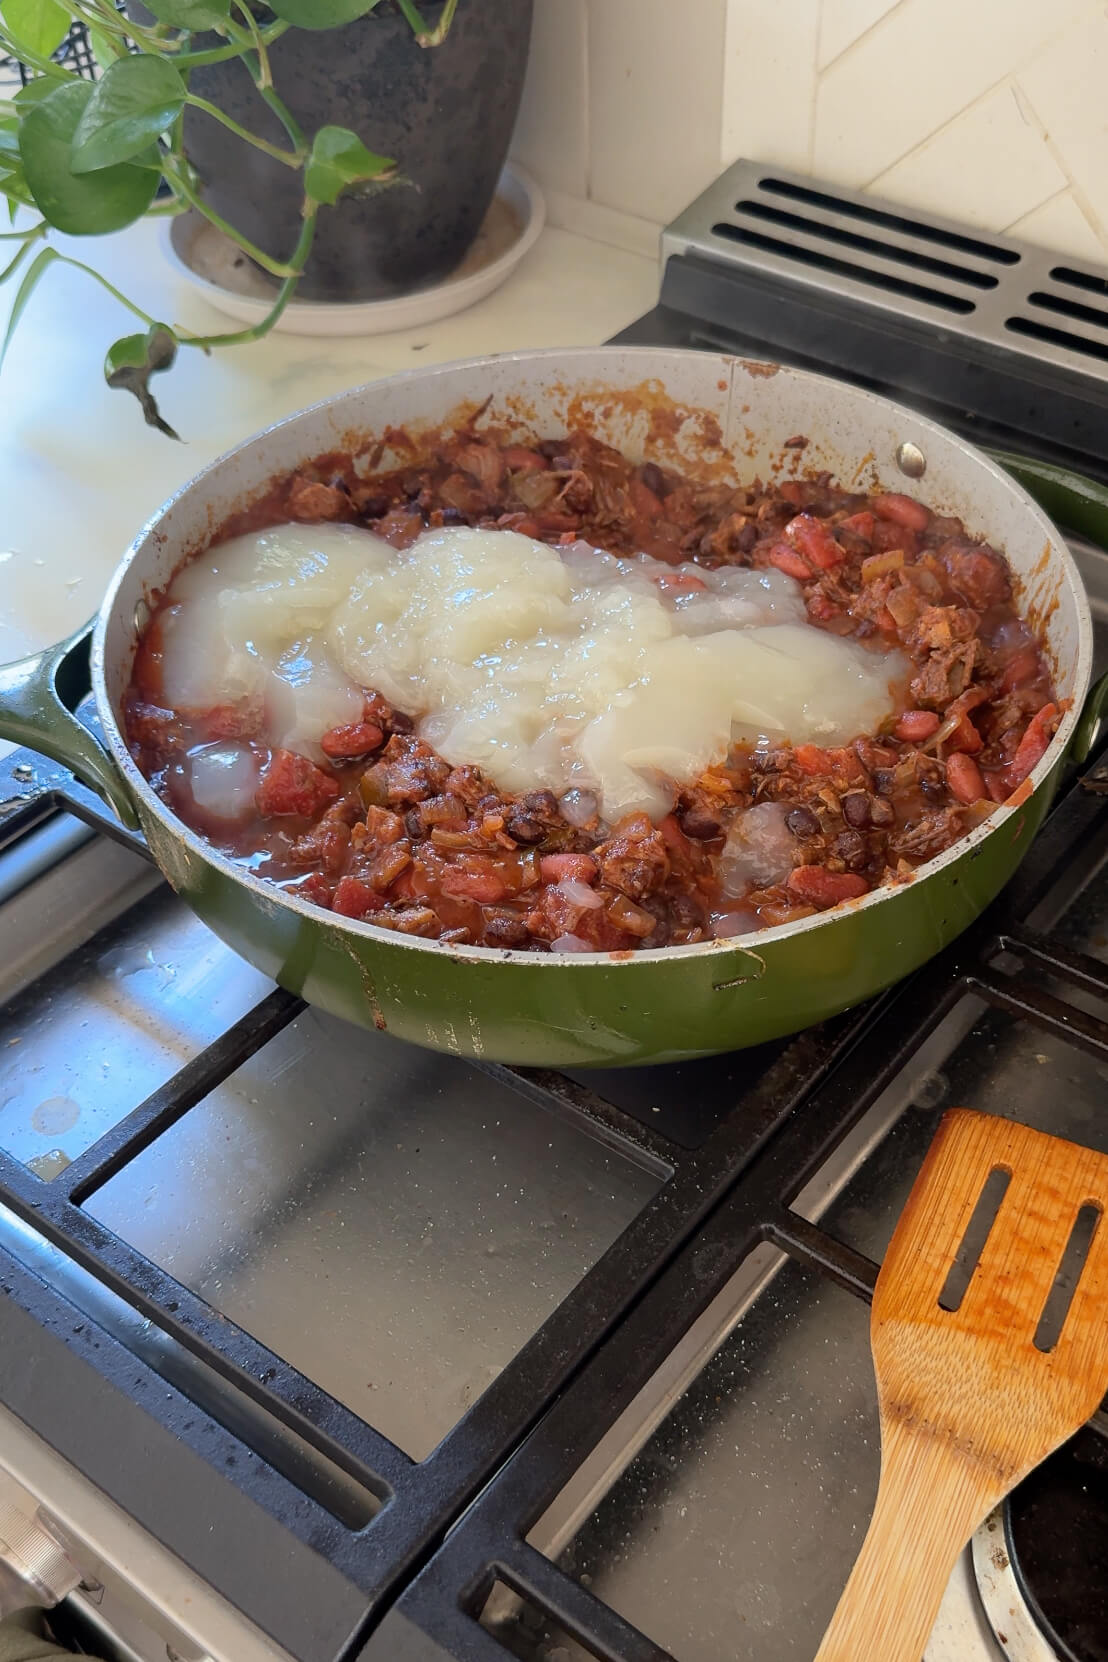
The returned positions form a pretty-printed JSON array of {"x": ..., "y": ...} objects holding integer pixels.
[{"x": 720, "y": 415}]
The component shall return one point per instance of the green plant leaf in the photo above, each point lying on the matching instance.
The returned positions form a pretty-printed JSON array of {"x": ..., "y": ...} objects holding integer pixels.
[
  {"x": 339, "y": 160},
  {"x": 84, "y": 204},
  {"x": 134, "y": 101},
  {"x": 44, "y": 258},
  {"x": 321, "y": 14},
  {"x": 41, "y": 25},
  {"x": 34, "y": 92},
  {"x": 191, "y": 14},
  {"x": 104, "y": 49},
  {"x": 133, "y": 360}
]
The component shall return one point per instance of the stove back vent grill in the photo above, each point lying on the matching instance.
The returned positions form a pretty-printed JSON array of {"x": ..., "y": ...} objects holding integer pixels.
[{"x": 990, "y": 289}]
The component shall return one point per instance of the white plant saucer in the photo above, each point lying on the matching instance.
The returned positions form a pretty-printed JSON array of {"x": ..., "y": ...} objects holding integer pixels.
[{"x": 234, "y": 285}]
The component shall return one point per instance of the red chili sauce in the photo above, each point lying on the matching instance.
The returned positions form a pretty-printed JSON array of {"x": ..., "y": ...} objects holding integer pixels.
[{"x": 390, "y": 832}]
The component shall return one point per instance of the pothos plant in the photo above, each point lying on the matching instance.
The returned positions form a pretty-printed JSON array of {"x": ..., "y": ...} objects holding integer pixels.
[{"x": 89, "y": 157}]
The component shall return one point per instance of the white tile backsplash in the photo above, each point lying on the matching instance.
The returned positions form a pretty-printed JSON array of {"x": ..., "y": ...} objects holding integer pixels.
[
  {"x": 989, "y": 166},
  {"x": 1065, "y": 86},
  {"x": 769, "y": 82},
  {"x": 988, "y": 111},
  {"x": 552, "y": 135},
  {"x": 655, "y": 96},
  {"x": 1060, "y": 225},
  {"x": 842, "y": 22}
]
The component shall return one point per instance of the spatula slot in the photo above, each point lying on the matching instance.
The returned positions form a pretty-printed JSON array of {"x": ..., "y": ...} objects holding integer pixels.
[
  {"x": 1060, "y": 1297},
  {"x": 977, "y": 1232}
]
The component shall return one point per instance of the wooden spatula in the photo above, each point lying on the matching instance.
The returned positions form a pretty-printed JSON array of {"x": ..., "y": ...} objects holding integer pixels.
[{"x": 976, "y": 1383}]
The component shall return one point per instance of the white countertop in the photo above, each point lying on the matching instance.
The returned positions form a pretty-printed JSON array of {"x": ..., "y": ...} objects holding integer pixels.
[{"x": 79, "y": 470}]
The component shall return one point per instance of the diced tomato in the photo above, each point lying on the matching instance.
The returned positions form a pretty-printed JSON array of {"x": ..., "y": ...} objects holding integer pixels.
[
  {"x": 916, "y": 725},
  {"x": 789, "y": 561},
  {"x": 475, "y": 877},
  {"x": 963, "y": 779},
  {"x": 643, "y": 499},
  {"x": 234, "y": 721},
  {"x": 810, "y": 758},
  {"x": 354, "y": 899},
  {"x": 860, "y": 524},
  {"x": 902, "y": 510},
  {"x": 581, "y": 867},
  {"x": 816, "y": 886},
  {"x": 678, "y": 582},
  {"x": 674, "y": 836},
  {"x": 1033, "y": 746},
  {"x": 965, "y": 737},
  {"x": 549, "y": 523},
  {"x": 293, "y": 785},
  {"x": 813, "y": 539},
  {"x": 1021, "y": 667},
  {"x": 315, "y": 888},
  {"x": 356, "y": 739}
]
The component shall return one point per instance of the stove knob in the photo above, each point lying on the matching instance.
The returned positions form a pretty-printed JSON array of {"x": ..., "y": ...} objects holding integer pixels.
[{"x": 34, "y": 1568}]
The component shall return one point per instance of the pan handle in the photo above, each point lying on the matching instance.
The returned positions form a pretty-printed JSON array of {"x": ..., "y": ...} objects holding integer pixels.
[
  {"x": 38, "y": 696},
  {"x": 1079, "y": 504},
  {"x": 1074, "y": 501}
]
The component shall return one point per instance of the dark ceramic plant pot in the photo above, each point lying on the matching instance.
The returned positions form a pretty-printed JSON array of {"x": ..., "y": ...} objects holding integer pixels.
[{"x": 446, "y": 113}]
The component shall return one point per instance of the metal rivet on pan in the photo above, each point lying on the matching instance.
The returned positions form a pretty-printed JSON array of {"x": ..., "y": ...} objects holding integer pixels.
[
  {"x": 23, "y": 772},
  {"x": 142, "y": 616},
  {"x": 911, "y": 460}
]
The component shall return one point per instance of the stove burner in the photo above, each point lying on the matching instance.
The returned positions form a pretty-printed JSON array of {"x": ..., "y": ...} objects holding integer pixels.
[
  {"x": 1041, "y": 1559},
  {"x": 1057, "y": 1530}
]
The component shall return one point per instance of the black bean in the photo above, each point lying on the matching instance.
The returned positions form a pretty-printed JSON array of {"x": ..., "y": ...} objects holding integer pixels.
[
  {"x": 374, "y": 507},
  {"x": 747, "y": 537},
  {"x": 541, "y": 802},
  {"x": 699, "y": 824},
  {"x": 524, "y": 829},
  {"x": 883, "y": 781},
  {"x": 856, "y": 809},
  {"x": 802, "y": 822},
  {"x": 506, "y": 931},
  {"x": 850, "y": 846},
  {"x": 413, "y": 824},
  {"x": 653, "y": 478},
  {"x": 400, "y": 723},
  {"x": 453, "y": 516}
]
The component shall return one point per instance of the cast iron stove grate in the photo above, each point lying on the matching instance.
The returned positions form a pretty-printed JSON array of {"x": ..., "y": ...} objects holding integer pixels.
[
  {"x": 488, "y": 1569},
  {"x": 345, "y": 1511}
]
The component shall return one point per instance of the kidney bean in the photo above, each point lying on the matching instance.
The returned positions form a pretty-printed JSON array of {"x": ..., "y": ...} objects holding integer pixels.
[
  {"x": 902, "y": 510},
  {"x": 963, "y": 778},
  {"x": 916, "y": 725}
]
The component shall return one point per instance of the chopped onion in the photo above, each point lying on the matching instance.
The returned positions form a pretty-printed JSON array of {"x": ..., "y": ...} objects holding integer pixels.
[
  {"x": 579, "y": 894},
  {"x": 760, "y": 850},
  {"x": 734, "y": 923},
  {"x": 579, "y": 807},
  {"x": 879, "y": 565},
  {"x": 222, "y": 780},
  {"x": 570, "y": 943}
]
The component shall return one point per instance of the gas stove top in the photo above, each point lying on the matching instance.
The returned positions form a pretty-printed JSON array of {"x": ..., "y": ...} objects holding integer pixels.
[{"x": 316, "y": 1346}]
